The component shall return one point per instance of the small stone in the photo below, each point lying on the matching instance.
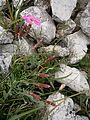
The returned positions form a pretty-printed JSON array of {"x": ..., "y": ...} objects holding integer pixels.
[
  {"x": 72, "y": 78},
  {"x": 5, "y": 37},
  {"x": 62, "y": 9}
]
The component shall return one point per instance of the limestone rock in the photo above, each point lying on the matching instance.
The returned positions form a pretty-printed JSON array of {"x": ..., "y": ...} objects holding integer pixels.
[
  {"x": 77, "y": 44},
  {"x": 59, "y": 51},
  {"x": 72, "y": 78},
  {"x": 47, "y": 29},
  {"x": 6, "y": 54},
  {"x": 5, "y": 37},
  {"x": 62, "y": 9},
  {"x": 85, "y": 21},
  {"x": 64, "y": 109}
]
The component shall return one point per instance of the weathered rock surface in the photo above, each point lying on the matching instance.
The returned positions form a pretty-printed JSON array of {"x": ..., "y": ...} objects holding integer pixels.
[
  {"x": 47, "y": 29},
  {"x": 5, "y": 37},
  {"x": 45, "y": 4},
  {"x": 59, "y": 51},
  {"x": 77, "y": 44},
  {"x": 6, "y": 54},
  {"x": 72, "y": 78},
  {"x": 62, "y": 9},
  {"x": 67, "y": 27},
  {"x": 85, "y": 21}
]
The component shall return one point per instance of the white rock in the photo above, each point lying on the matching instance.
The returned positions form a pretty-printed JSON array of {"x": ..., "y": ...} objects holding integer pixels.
[
  {"x": 77, "y": 44},
  {"x": 6, "y": 54},
  {"x": 59, "y": 51},
  {"x": 67, "y": 27},
  {"x": 47, "y": 28},
  {"x": 42, "y": 3},
  {"x": 24, "y": 47},
  {"x": 64, "y": 110},
  {"x": 85, "y": 21},
  {"x": 5, "y": 37},
  {"x": 62, "y": 9},
  {"x": 72, "y": 78}
]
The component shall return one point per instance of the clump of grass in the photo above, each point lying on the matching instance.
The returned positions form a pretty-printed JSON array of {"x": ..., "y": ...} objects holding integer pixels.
[{"x": 24, "y": 91}]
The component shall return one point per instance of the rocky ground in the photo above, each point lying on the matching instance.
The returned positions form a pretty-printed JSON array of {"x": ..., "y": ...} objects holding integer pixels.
[{"x": 66, "y": 30}]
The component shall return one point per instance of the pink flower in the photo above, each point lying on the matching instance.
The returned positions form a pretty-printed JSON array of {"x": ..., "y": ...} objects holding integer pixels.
[
  {"x": 40, "y": 85},
  {"x": 43, "y": 75},
  {"x": 29, "y": 19},
  {"x": 37, "y": 97}
]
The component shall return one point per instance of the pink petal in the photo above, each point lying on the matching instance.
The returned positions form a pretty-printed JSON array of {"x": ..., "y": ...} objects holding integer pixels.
[{"x": 30, "y": 18}]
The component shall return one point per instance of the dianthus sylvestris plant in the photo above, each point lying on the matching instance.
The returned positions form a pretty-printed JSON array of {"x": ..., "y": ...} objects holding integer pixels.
[{"x": 25, "y": 29}]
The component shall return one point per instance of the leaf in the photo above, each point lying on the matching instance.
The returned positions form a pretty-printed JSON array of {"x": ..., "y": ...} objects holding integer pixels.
[{"x": 24, "y": 113}]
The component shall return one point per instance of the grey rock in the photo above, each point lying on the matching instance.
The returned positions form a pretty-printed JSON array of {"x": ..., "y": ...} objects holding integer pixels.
[
  {"x": 77, "y": 44},
  {"x": 45, "y": 4},
  {"x": 47, "y": 29},
  {"x": 72, "y": 78},
  {"x": 62, "y": 9},
  {"x": 5, "y": 37},
  {"x": 64, "y": 109},
  {"x": 6, "y": 54},
  {"x": 85, "y": 21}
]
